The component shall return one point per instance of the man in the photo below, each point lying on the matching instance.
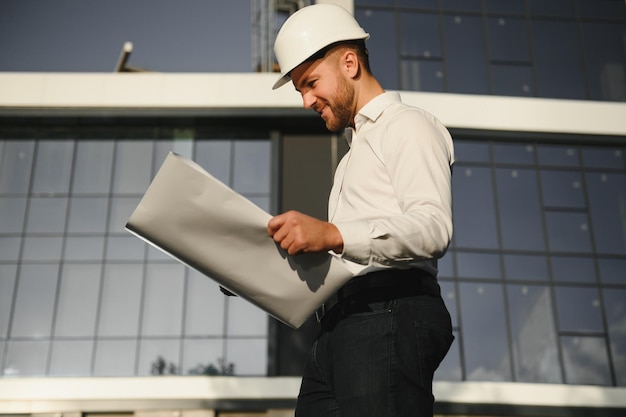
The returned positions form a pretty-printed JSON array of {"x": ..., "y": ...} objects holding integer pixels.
[{"x": 386, "y": 331}]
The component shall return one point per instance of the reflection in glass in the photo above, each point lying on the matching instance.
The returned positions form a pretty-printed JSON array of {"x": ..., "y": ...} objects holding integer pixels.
[
  {"x": 78, "y": 301},
  {"x": 153, "y": 351},
  {"x": 585, "y": 360},
  {"x": 26, "y": 358},
  {"x": 485, "y": 347},
  {"x": 535, "y": 350},
  {"x": 202, "y": 356},
  {"x": 578, "y": 309},
  {"x": 615, "y": 308},
  {"x": 450, "y": 368},
  {"x": 71, "y": 358},
  {"x": 421, "y": 75},
  {"x": 520, "y": 209}
]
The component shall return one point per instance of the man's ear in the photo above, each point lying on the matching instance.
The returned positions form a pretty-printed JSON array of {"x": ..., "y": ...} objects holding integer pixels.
[{"x": 350, "y": 63}]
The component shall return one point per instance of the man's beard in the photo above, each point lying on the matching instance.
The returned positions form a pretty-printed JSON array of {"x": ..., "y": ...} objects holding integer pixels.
[{"x": 341, "y": 106}]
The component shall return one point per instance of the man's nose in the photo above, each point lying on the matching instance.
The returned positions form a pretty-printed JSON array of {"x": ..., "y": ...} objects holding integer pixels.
[{"x": 308, "y": 100}]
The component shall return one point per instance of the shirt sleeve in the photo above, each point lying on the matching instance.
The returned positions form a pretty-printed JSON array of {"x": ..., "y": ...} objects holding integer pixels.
[{"x": 418, "y": 155}]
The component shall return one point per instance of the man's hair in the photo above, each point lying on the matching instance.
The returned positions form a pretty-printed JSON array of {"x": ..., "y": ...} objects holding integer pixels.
[{"x": 357, "y": 45}]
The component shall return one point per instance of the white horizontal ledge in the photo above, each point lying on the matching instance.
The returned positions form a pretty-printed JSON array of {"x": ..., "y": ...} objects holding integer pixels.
[{"x": 193, "y": 91}]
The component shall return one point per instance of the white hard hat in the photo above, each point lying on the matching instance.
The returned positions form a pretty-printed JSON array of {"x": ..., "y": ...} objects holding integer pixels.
[{"x": 310, "y": 30}]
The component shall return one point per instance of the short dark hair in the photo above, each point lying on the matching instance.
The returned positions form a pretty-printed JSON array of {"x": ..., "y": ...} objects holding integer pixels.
[{"x": 357, "y": 45}]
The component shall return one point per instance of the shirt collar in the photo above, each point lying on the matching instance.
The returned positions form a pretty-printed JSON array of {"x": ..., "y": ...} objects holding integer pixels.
[{"x": 372, "y": 110}]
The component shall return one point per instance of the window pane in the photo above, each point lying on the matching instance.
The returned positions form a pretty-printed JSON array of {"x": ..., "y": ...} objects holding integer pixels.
[
  {"x": 573, "y": 269},
  {"x": 520, "y": 210},
  {"x": 9, "y": 248},
  {"x": 16, "y": 158},
  {"x": 585, "y": 360},
  {"x": 448, "y": 293},
  {"x": 505, "y": 6},
  {"x": 474, "y": 208},
  {"x": 115, "y": 358},
  {"x": 552, "y": 8},
  {"x": 202, "y": 356},
  {"x": 159, "y": 357},
  {"x": 12, "y": 218},
  {"x": 121, "y": 300},
  {"x": 514, "y": 153},
  {"x": 466, "y": 56},
  {"x": 46, "y": 215},
  {"x": 512, "y": 80},
  {"x": 248, "y": 355},
  {"x": 563, "y": 156},
  {"x": 562, "y": 189},
  {"x": 383, "y": 46},
  {"x": 478, "y": 265},
  {"x": 419, "y": 35},
  {"x": 215, "y": 157},
  {"x": 26, "y": 358},
  {"x": 7, "y": 285},
  {"x": 615, "y": 307},
  {"x": 534, "y": 335},
  {"x": 568, "y": 232},
  {"x": 526, "y": 267},
  {"x": 578, "y": 309},
  {"x": 603, "y": 158},
  {"x": 485, "y": 348},
  {"x": 612, "y": 271},
  {"x": 78, "y": 301},
  {"x": 133, "y": 167},
  {"x": 128, "y": 248},
  {"x": 605, "y": 59},
  {"x": 92, "y": 173},
  {"x": 163, "y": 300},
  {"x": 84, "y": 249},
  {"x": 71, "y": 358},
  {"x": 558, "y": 59},
  {"x": 465, "y": 151},
  {"x": 463, "y": 5},
  {"x": 34, "y": 304},
  {"x": 53, "y": 167},
  {"x": 88, "y": 215},
  {"x": 420, "y": 75},
  {"x": 607, "y": 199},
  {"x": 121, "y": 209},
  {"x": 508, "y": 40},
  {"x": 205, "y": 306},
  {"x": 245, "y": 319},
  {"x": 252, "y": 166}
]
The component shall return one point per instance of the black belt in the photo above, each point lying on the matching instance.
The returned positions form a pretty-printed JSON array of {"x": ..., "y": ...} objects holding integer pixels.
[{"x": 387, "y": 283}]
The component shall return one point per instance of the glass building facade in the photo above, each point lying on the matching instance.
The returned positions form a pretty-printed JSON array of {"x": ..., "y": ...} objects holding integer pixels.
[{"x": 535, "y": 278}]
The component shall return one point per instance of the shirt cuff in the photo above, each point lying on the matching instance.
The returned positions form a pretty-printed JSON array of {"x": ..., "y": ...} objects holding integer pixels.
[{"x": 356, "y": 241}]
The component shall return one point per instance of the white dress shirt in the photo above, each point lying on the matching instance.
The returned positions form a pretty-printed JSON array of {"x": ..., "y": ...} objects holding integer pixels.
[{"x": 391, "y": 198}]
